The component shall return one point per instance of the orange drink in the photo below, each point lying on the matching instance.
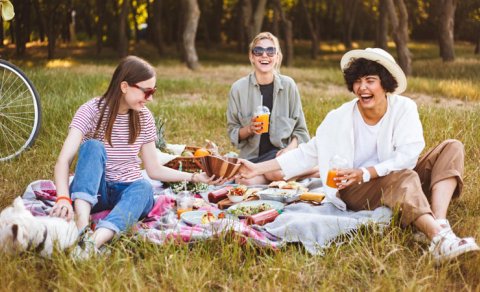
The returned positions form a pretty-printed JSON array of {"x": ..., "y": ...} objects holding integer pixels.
[
  {"x": 336, "y": 163},
  {"x": 264, "y": 119},
  {"x": 332, "y": 173}
]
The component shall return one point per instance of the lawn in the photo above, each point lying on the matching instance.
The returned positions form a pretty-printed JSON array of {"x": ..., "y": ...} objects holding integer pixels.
[{"x": 194, "y": 104}]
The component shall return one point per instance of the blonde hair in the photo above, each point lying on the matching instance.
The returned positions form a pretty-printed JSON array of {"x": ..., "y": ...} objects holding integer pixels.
[{"x": 268, "y": 36}]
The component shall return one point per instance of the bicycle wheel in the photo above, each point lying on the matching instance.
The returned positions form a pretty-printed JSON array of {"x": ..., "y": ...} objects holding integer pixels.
[{"x": 20, "y": 114}]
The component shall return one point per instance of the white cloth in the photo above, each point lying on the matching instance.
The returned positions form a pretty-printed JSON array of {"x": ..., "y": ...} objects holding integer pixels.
[
  {"x": 317, "y": 227},
  {"x": 400, "y": 141}
]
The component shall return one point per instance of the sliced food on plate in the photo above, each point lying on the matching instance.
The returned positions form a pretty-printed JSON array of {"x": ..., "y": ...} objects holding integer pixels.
[{"x": 290, "y": 185}]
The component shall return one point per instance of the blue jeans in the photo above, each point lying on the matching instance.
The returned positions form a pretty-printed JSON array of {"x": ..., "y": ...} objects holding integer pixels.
[{"x": 129, "y": 201}]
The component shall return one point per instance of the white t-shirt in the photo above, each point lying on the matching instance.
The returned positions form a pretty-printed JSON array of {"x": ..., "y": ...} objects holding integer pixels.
[{"x": 365, "y": 137}]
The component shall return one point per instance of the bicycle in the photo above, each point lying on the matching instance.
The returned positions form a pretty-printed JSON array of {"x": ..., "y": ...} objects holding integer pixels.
[{"x": 20, "y": 110}]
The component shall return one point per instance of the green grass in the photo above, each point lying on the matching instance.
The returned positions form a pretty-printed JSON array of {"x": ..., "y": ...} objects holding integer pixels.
[{"x": 194, "y": 105}]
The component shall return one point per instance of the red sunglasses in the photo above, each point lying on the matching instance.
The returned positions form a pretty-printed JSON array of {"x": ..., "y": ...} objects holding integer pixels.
[{"x": 147, "y": 91}]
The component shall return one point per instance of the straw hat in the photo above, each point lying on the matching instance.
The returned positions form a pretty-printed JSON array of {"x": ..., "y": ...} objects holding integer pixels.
[{"x": 383, "y": 58}]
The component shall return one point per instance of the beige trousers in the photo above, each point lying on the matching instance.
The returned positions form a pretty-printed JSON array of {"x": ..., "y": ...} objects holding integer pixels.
[{"x": 407, "y": 190}]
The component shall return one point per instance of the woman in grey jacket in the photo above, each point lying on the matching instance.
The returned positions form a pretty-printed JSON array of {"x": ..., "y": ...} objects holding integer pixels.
[{"x": 279, "y": 93}]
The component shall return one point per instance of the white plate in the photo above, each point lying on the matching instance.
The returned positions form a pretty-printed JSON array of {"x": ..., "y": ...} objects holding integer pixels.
[
  {"x": 274, "y": 204},
  {"x": 275, "y": 194},
  {"x": 195, "y": 217}
]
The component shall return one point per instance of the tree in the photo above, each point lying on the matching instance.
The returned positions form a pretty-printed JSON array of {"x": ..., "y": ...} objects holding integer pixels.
[
  {"x": 288, "y": 32},
  {"x": 400, "y": 33},
  {"x": 382, "y": 25},
  {"x": 446, "y": 20},
  {"x": 157, "y": 26},
  {"x": 311, "y": 28},
  {"x": 350, "y": 8},
  {"x": 122, "y": 30},
  {"x": 192, "y": 15}
]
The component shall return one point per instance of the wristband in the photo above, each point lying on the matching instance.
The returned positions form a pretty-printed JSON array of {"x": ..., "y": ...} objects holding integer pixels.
[
  {"x": 366, "y": 175},
  {"x": 63, "y": 198}
]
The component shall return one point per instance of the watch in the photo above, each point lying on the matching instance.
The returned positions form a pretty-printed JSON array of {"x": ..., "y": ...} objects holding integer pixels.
[{"x": 366, "y": 174}]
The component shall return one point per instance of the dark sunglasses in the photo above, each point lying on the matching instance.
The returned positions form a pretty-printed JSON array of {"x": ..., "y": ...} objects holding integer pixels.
[
  {"x": 146, "y": 91},
  {"x": 258, "y": 51}
]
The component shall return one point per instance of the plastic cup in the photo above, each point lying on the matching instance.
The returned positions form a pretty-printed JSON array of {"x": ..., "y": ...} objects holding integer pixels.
[
  {"x": 263, "y": 115},
  {"x": 336, "y": 162},
  {"x": 184, "y": 202}
]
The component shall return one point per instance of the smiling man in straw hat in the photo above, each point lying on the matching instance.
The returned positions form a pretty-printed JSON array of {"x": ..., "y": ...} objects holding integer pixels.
[{"x": 380, "y": 135}]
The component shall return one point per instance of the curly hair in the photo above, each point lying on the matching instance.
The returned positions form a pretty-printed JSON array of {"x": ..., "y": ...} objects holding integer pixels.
[{"x": 361, "y": 67}]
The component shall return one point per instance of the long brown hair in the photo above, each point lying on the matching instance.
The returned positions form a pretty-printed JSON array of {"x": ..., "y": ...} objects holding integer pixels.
[{"x": 131, "y": 69}]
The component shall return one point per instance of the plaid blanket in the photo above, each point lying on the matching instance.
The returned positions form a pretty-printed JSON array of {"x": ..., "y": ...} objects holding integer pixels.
[
  {"x": 316, "y": 227},
  {"x": 161, "y": 224}
]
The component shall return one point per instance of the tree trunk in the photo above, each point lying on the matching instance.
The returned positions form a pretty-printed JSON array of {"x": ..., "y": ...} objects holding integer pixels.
[
  {"x": 157, "y": 27},
  {"x": 288, "y": 31},
  {"x": 311, "y": 28},
  {"x": 257, "y": 20},
  {"x": 122, "y": 30},
  {"x": 349, "y": 15},
  {"x": 101, "y": 16},
  {"x": 382, "y": 26},
  {"x": 2, "y": 32},
  {"x": 400, "y": 33},
  {"x": 192, "y": 15},
  {"x": 19, "y": 23},
  {"x": 446, "y": 20},
  {"x": 246, "y": 18},
  {"x": 204, "y": 25},
  {"x": 40, "y": 20},
  {"x": 134, "y": 16},
  {"x": 477, "y": 45}
]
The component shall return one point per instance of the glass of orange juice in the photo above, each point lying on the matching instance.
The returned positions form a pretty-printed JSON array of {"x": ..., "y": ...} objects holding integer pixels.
[
  {"x": 336, "y": 162},
  {"x": 262, "y": 115},
  {"x": 184, "y": 202}
]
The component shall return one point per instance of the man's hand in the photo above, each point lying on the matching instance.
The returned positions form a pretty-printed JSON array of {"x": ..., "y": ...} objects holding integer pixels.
[
  {"x": 347, "y": 177},
  {"x": 247, "y": 170}
]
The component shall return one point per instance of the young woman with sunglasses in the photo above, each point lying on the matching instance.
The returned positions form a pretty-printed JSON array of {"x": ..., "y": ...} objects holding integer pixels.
[
  {"x": 265, "y": 86},
  {"x": 109, "y": 133}
]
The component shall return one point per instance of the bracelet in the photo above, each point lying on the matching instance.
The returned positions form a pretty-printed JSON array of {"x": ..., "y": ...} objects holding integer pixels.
[{"x": 64, "y": 198}]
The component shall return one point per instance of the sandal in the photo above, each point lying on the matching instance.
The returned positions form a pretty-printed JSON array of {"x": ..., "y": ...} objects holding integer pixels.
[{"x": 446, "y": 246}]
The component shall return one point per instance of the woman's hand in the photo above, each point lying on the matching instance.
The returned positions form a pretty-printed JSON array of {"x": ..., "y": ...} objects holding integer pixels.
[
  {"x": 254, "y": 127},
  {"x": 62, "y": 209},
  {"x": 347, "y": 177},
  {"x": 204, "y": 178}
]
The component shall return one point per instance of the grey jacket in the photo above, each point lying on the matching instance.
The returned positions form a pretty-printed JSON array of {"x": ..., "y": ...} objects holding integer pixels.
[{"x": 286, "y": 119}]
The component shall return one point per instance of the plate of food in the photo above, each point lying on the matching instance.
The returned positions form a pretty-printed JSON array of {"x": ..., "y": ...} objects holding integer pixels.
[
  {"x": 281, "y": 195},
  {"x": 203, "y": 216},
  {"x": 244, "y": 209},
  {"x": 291, "y": 185}
]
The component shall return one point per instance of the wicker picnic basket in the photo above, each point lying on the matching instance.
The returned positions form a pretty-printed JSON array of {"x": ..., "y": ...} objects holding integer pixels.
[{"x": 188, "y": 164}]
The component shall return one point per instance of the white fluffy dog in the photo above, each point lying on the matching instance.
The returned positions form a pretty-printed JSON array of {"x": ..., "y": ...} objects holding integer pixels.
[{"x": 21, "y": 231}]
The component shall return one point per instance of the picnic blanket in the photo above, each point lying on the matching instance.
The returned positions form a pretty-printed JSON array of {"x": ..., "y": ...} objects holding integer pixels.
[{"x": 316, "y": 227}]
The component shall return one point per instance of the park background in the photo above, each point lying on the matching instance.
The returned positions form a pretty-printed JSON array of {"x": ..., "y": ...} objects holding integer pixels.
[{"x": 69, "y": 50}]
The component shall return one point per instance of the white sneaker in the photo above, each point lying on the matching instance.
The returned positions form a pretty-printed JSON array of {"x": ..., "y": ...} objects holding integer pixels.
[
  {"x": 419, "y": 236},
  {"x": 446, "y": 246},
  {"x": 86, "y": 249}
]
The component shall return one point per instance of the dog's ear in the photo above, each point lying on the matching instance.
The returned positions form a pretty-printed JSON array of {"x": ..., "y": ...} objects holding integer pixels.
[
  {"x": 14, "y": 231},
  {"x": 18, "y": 204}
]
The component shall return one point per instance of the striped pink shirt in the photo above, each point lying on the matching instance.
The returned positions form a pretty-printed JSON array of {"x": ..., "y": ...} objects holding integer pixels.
[{"x": 123, "y": 162}]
